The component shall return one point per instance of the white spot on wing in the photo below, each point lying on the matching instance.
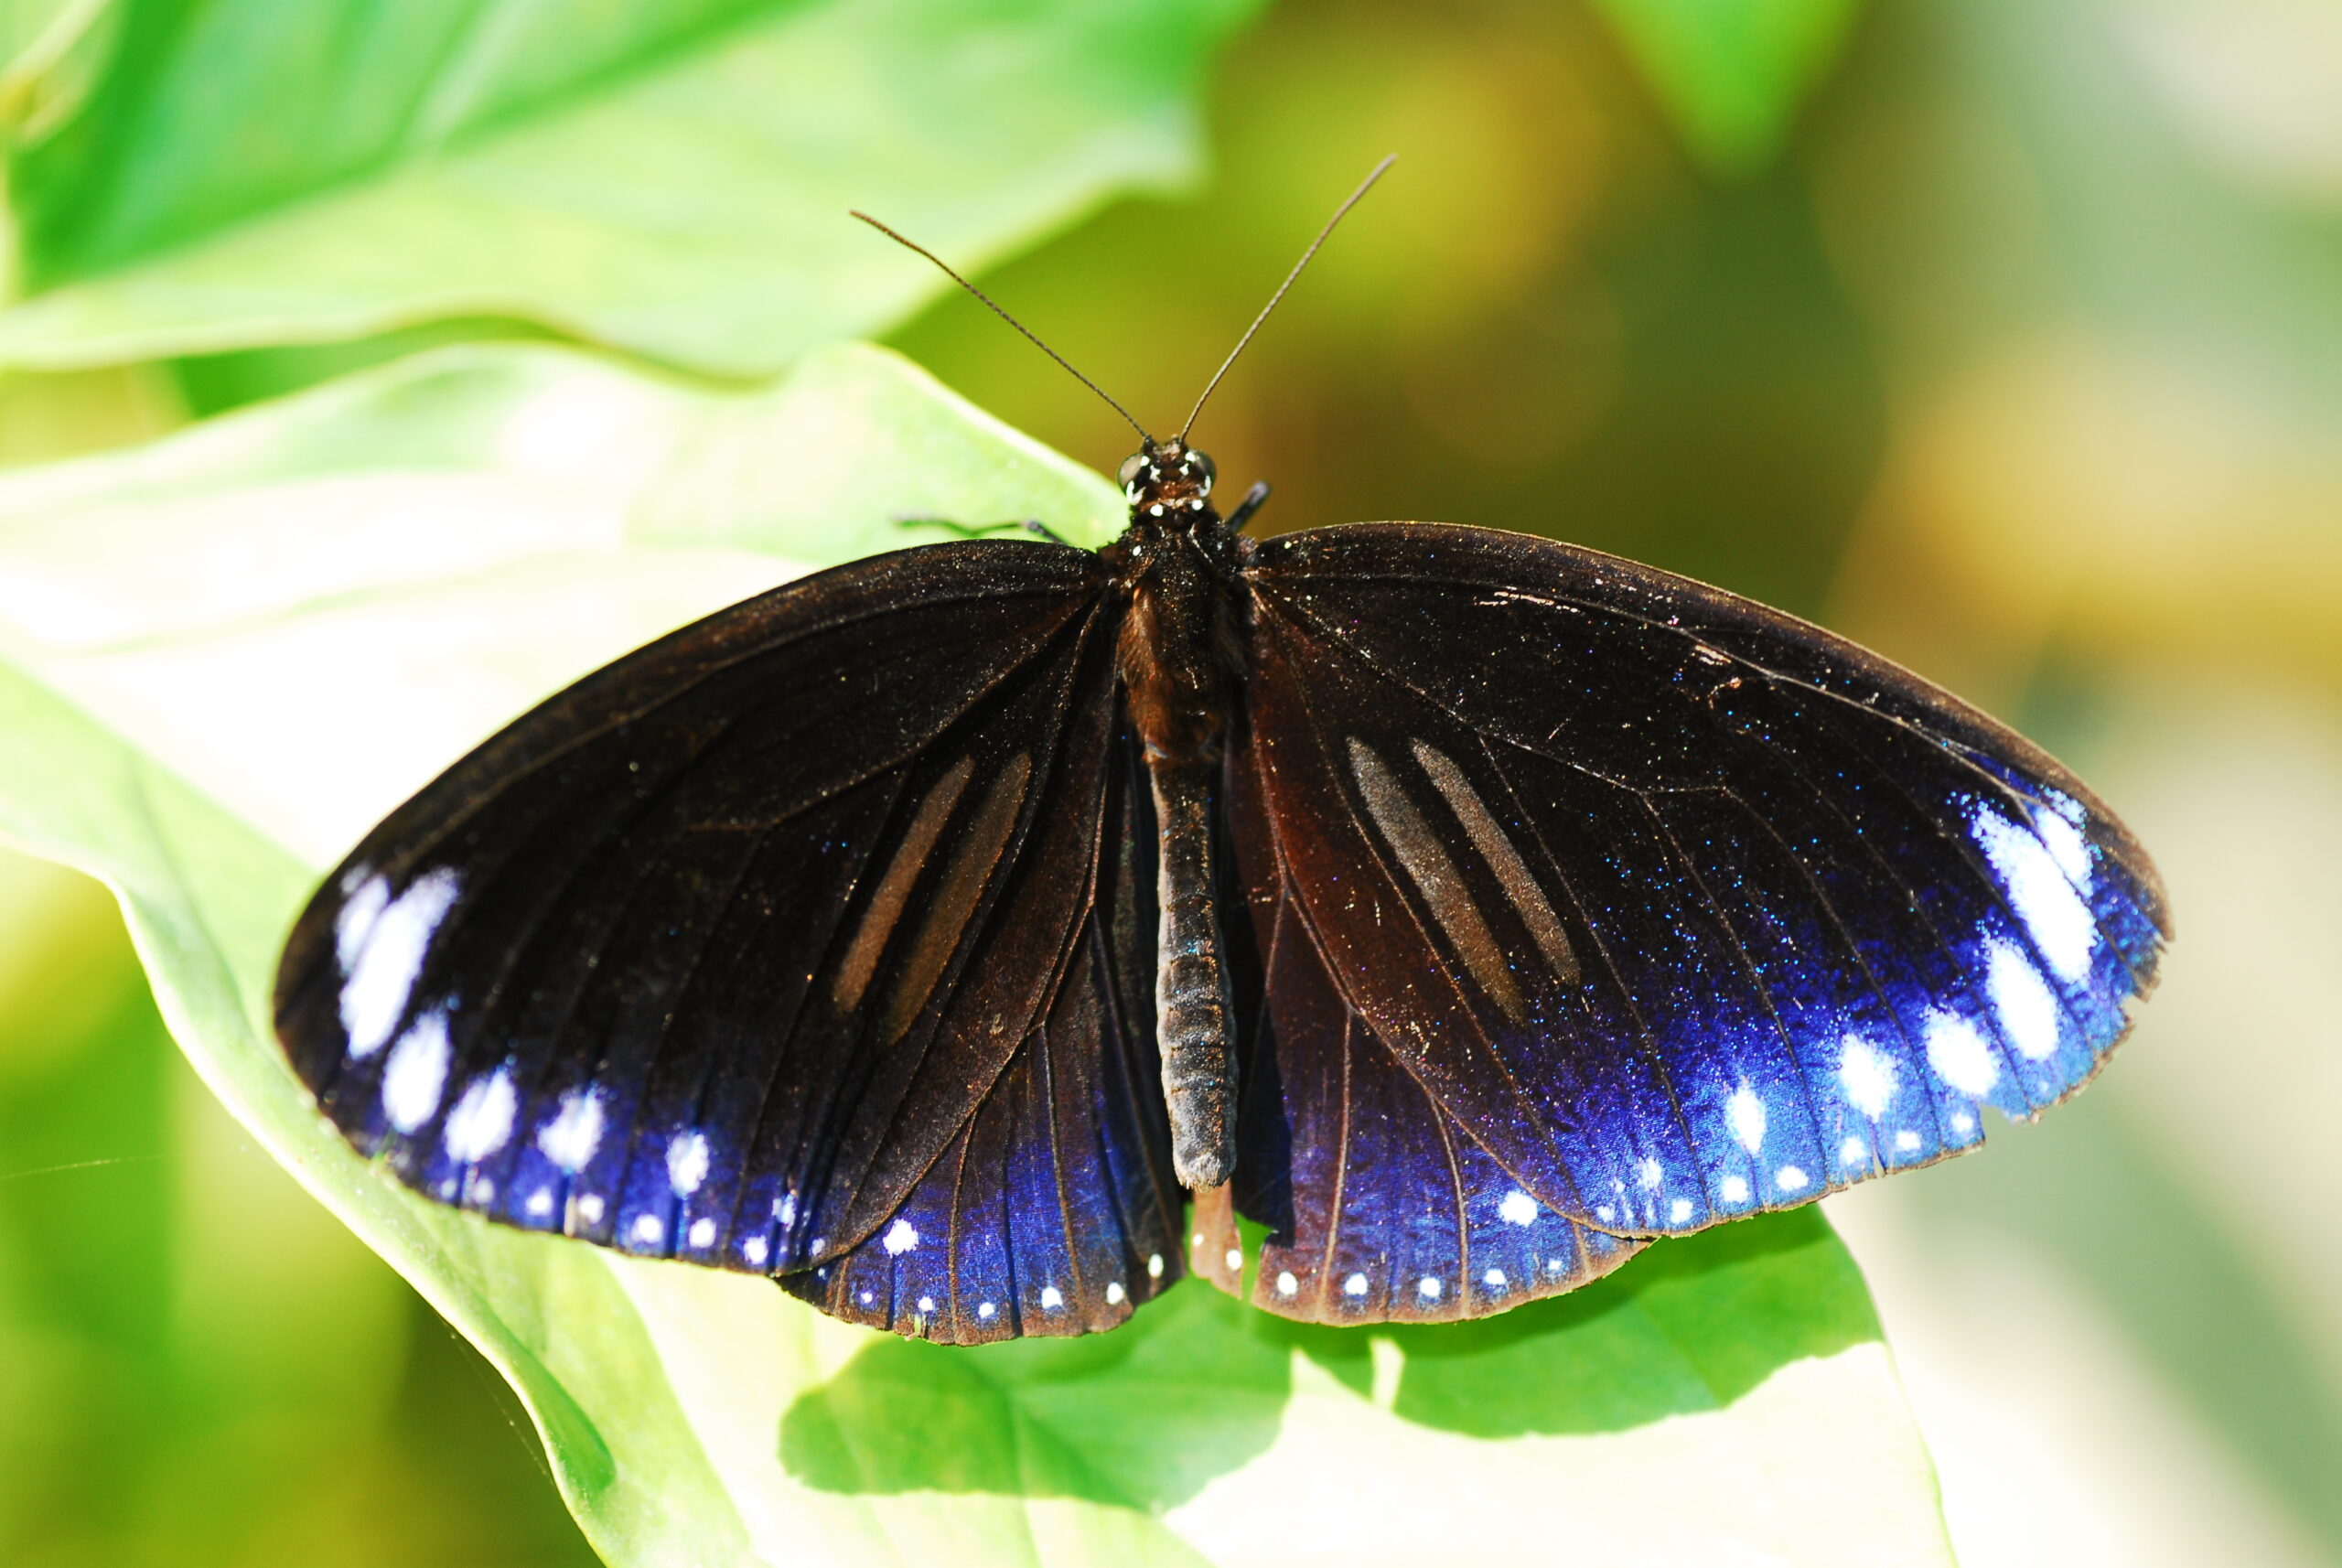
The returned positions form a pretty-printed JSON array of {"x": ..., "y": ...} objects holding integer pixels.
[
  {"x": 380, "y": 942},
  {"x": 703, "y": 1233},
  {"x": 984, "y": 1310},
  {"x": 1113, "y": 1292},
  {"x": 1790, "y": 1178},
  {"x": 1234, "y": 1260},
  {"x": 1517, "y": 1209},
  {"x": 1648, "y": 1172},
  {"x": 1155, "y": 1265},
  {"x": 1051, "y": 1298},
  {"x": 1493, "y": 1279},
  {"x": 1867, "y": 1074},
  {"x": 1735, "y": 1189},
  {"x": 927, "y": 1303},
  {"x": 1906, "y": 1141},
  {"x": 1679, "y": 1211},
  {"x": 1427, "y": 1287},
  {"x": 752, "y": 1252},
  {"x": 900, "y": 1238},
  {"x": 589, "y": 1209},
  {"x": 1853, "y": 1152},
  {"x": 482, "y": 1118},
  {"x": 2061, "y": 831},
  {"x": 1746, "y": 1115},
  {"x": 570, "y": 1139},
  {"x": 365, "y": 899},
  {"x": 687, "y": 1162},
  {"x": 1959, "y": 1056},
  {"x": 1354, "y": 1285},
  {"x": 540, "y": 1203},
  {"x": 416, "y": 1073},
  {"x": 1287, "y": 1284},
  {"x": 2052, "y": 912},
  {"x": 2021, "y": 1000},
  {"x": 647, "y": 1230}
]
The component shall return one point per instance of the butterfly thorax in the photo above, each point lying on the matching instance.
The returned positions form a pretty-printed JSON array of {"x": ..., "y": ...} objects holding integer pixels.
[
  {"x": 1178, "y": 660},
  {"x": 1179, "y": 645}
]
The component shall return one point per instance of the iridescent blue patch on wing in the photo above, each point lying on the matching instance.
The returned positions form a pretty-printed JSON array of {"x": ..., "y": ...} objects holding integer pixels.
[
  {"x": 1822, "y": 916},
  {"x": 1048, "y": 1213}
]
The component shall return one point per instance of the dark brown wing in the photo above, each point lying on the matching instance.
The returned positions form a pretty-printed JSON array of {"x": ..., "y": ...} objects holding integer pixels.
[
  {"x": 1381, "y": 1204},
  {"x": 1679, "y": 908},
  {"x": 715, "y": 954},
  {"x": 1055, "y": 1208}
]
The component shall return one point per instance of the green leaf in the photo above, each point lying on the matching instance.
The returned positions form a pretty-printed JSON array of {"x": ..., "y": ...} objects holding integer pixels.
[
  {"x": 222, "y": 656},
  {"x": 1731, "y": 72},
  {"x": 671, "y": 177},
  {"x": 51, "y": 54}
]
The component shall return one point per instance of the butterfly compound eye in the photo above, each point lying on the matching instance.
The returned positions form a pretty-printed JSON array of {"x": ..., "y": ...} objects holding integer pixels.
[
  {"x": 1200, "y": 467},
  {"x": 1132, "y": 467}
]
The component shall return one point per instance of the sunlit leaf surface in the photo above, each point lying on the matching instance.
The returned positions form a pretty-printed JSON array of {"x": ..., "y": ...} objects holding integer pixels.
[
  {"x": 668, "y": 176},
  {"x": 222, "y": 656}
]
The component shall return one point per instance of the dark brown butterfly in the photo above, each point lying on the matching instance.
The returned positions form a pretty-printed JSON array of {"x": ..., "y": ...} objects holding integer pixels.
[{"x": 1464, "y": 906}]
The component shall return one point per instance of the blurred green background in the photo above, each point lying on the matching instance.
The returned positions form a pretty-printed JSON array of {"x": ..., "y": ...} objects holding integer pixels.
[{"x": 2005, "y": 335}]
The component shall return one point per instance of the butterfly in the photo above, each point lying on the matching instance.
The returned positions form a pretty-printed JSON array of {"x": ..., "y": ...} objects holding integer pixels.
[{"x": 965, "y": 937}]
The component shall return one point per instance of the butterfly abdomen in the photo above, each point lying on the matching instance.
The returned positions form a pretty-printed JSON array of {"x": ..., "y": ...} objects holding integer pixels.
[{"x": 1193, "y": 1008}]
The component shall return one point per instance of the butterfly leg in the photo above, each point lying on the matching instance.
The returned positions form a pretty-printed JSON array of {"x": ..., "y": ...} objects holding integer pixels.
[
  {"x": 1247, "y": 506},
  {"x": 983, "y": 529}
]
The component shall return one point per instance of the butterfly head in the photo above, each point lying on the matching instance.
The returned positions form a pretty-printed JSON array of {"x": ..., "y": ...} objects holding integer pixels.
[{"x": 1167, "y": 479}]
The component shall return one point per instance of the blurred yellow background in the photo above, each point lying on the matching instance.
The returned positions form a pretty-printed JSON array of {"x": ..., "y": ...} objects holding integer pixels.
[{"x": 2019, "y": 358}]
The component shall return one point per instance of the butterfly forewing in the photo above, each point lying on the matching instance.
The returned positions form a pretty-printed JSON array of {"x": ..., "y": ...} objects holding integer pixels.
[
  {"x": 1684, "y": 908},
  {"x": 715, "y": 953}
]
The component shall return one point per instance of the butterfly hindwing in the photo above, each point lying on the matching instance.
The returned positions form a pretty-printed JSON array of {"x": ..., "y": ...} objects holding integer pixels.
[
  {"x": 1687, "y": 909},
  {"x": 715, "y": 954},
  {"x": 1054, "y": 1210},
  {"x": 1381, "y": 1204}
]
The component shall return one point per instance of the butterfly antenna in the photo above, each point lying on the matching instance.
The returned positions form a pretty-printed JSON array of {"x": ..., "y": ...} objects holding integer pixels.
[
  {"x": 996, "y": 310},
  {"x": 1340, "y": 213}
]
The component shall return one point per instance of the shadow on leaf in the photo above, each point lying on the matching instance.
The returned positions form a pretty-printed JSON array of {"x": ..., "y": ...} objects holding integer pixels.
[{"x": 1195, "y": 1385}]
